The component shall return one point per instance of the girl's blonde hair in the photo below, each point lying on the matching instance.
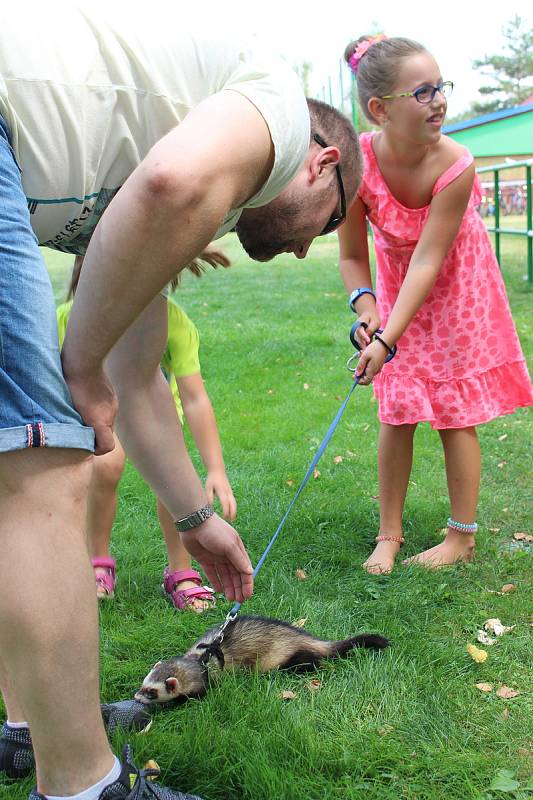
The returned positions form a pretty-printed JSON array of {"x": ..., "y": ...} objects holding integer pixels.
[
  {"x": 210, "y": 256},
  {"x": 377, "y": 70}
]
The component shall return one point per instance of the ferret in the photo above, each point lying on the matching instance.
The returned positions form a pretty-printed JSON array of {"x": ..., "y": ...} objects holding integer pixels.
[{"x": 257, "y": 642}]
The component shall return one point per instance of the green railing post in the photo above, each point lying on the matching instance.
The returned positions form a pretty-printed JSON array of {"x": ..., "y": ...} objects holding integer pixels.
[
  {"x": 495, "y": 169},
  {"x": 353, "y": 94},
  {"x": 341, "y": 86},
  {"x": 529, "y": 225},
  {"x": 497, "y": 212}
]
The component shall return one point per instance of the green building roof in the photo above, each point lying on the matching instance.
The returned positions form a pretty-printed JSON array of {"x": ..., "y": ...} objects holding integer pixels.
[{"x": 505, "y": 133}]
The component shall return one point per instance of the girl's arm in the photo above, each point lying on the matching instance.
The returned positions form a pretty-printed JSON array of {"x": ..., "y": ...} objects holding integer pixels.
[
  {"x": 441, "y": 228},
  {"x": 202, "y": 423},
  {"x": 355, "y": 267}
]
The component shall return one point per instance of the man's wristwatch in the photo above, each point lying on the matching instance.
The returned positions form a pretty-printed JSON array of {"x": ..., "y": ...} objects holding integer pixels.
[
  {"x": 357, "y": 293},
  {"x": 194, "y": 519}
]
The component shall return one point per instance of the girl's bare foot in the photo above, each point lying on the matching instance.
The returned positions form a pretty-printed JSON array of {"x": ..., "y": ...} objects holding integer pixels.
[
  {"x": 194, "y": 603},
  {"x": 456, "y": 547},
  {"x": 381, "y": 560}
]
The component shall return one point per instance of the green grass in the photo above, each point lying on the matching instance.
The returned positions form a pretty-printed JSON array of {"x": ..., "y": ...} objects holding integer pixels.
[{"x": 408, "y": 724}]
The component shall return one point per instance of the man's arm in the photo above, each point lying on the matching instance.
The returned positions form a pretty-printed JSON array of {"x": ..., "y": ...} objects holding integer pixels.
[
  {"x": 168, "y": 210},
  {"x": 150, "y": 431}
]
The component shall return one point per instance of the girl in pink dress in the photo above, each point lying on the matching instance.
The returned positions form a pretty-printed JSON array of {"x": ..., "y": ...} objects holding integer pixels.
[{"x": 439, "y": 295}]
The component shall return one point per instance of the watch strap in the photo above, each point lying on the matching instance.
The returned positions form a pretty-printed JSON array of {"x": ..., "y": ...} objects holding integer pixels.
[
  {"x": 196, "y": 518},
  {"x": 357, "y": 293}
]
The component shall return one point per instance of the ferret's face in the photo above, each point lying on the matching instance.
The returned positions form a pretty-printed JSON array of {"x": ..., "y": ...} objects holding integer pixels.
[{"x": 171, "y": 680}]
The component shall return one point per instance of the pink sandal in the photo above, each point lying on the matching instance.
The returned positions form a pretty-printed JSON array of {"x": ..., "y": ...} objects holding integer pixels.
[
  {"x": 182, "y": 598},
  {"x": 105, "y": 580}
]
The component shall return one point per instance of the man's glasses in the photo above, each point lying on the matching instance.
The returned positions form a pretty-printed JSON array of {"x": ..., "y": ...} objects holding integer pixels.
[
  {"x": 425, "y": 94},
  {"x": 335, "y": 219}
]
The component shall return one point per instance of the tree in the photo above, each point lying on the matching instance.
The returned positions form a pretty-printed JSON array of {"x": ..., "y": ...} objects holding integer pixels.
[{"x": 511, "y": 72}]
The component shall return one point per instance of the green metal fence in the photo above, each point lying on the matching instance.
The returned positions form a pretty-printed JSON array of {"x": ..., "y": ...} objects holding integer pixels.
[{"x": 497, "y": 230}]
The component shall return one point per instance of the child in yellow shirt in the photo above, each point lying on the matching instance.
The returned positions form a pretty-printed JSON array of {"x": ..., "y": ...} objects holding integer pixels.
[{"x": 180, "y": 364}]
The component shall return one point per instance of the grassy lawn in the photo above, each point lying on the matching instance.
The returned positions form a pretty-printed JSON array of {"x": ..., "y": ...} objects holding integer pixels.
[{"x": 407, "y": 724}]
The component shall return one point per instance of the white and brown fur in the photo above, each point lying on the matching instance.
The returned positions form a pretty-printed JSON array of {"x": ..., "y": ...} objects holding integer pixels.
[{"x": 259, "y": 643}]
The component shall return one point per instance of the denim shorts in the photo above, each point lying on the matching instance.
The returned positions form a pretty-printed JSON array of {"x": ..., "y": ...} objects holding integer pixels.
[{"x": 35, "y": 404}]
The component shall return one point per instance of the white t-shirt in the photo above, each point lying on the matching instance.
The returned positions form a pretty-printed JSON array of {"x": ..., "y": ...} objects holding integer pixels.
[{"x": 87, "y": 93}]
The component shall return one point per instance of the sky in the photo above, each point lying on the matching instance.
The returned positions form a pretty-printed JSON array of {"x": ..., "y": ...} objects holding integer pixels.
[{"x": 455, "y": 32}]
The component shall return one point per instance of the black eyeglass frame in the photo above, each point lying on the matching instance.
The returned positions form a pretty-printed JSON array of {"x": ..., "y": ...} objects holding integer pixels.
[
  {"x": 447, "y": 85},
  {"x": 334, "y": 221}
]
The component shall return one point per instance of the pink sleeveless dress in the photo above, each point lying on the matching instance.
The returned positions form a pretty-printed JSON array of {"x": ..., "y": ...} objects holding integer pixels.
[{"x": 459, "y": 363}]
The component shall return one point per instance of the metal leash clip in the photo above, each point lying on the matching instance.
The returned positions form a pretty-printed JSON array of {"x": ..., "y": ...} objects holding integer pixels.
[
  {"x": 359, "y": 349},
  {"x": 230, "y": 617}
]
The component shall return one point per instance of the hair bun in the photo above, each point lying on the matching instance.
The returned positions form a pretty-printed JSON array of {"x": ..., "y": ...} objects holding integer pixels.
[{"x": 358, "y": 48}]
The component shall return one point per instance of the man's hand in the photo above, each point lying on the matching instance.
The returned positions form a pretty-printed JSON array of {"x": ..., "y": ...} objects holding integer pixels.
[
  {"x": 96, "y": 402},
  {"x": 220, "y": 551}
]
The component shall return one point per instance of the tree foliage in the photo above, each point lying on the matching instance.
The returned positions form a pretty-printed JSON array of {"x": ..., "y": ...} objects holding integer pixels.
[{"x": 510, "y": 72}]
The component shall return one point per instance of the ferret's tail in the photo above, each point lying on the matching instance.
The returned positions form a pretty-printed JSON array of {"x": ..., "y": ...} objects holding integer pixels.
[{"x": 374, "y": 641}]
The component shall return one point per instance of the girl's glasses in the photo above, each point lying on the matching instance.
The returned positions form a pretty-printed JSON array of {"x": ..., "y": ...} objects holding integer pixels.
[{"x": 425, "y": 94}]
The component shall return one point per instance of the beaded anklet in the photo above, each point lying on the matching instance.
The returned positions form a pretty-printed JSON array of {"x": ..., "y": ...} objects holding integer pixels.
[
  {"x": 462, "y": 527},
  {"x": 399, "y": 539}
]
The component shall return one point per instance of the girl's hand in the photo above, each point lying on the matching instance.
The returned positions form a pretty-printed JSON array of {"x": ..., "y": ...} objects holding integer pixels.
[
  {"x": 372, "y": 320},
  {"x": 370, "y": 362},
  {"x": 214, "y": 256},
  {"x": 217, "y": 484}
]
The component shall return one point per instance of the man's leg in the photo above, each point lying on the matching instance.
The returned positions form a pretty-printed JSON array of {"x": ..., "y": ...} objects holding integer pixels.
[
  {"x": 49, "y": 627},
  {"x": 14, "y": 711}
]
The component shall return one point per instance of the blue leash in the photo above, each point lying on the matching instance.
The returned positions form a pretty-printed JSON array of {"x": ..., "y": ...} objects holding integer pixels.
[{"x": 325, "y": 441}]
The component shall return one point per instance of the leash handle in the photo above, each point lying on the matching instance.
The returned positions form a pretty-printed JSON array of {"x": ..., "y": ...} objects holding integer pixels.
[{"x": 359, "y": 349}]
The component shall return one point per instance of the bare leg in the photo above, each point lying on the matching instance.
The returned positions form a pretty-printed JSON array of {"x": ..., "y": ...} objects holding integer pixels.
[
  {"x": 14, "y": 711},
  {"x": 178, "y": 557},
  {"x": 395, "y": 459},
  {"x": 463, "y": 467},
  {"x": 102, "y": 504},
  {"x": 49, "y": 631}
]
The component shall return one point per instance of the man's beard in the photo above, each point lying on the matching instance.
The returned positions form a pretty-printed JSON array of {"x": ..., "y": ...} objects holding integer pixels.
[{"x": 269, "y": 230}]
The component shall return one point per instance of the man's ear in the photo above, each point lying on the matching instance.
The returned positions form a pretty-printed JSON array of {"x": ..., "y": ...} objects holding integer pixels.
[
  {"x": 323, "y": 161},
  {"x": 377, "y": 109}
]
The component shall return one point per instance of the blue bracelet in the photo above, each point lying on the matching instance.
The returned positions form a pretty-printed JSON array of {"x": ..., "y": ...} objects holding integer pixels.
[
  {"x": 357, "y": 293},
  {"x": 462, "y": 527}
]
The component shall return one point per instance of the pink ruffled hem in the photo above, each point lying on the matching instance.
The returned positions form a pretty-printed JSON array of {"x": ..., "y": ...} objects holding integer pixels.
[{"x": 453, "y": 403}]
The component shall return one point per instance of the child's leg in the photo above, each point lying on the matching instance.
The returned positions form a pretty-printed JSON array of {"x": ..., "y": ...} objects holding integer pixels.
[
  {"x": 102, "y": 504},
  {"x": 463, "y": 467},
  {"x": 395, "y": 459},
  {"x": 178, "y": 558}
]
